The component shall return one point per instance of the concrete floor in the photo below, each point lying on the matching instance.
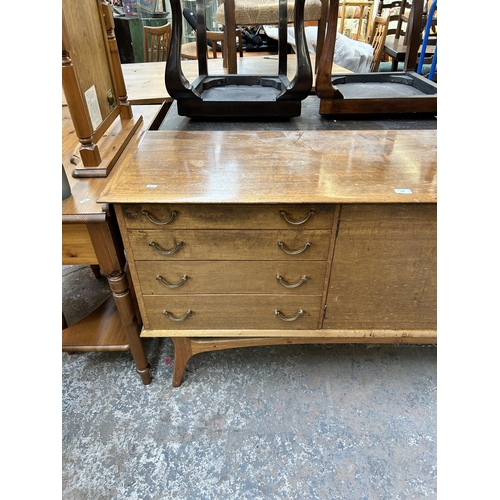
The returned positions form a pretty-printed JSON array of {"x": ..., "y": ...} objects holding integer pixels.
[{"x": 284, "y": 422}]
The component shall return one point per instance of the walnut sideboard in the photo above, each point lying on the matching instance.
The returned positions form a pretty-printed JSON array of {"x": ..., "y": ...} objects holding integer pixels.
[{"x": 244, "y": 237}]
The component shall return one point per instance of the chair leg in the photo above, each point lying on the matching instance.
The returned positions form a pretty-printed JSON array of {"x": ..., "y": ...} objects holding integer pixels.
[
  {"x": 240, "y": 39},
  {"x": 96, "y": 270}
]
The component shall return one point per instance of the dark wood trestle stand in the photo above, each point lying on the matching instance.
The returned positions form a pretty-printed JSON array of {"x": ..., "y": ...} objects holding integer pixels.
[
  {"x": 378, "y": 92},
  {"x": 237, "y": 95}
]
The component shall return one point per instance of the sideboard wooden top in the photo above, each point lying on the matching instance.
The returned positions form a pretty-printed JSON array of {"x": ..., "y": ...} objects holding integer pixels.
[{"x": 325, "y": 166}]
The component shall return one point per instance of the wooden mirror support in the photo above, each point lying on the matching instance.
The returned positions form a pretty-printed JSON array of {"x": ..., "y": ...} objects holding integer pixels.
[
  {"x": 379, "y": 92},
  {"x": 236, "y": 95},
  {"x": 94, "y": 87}
]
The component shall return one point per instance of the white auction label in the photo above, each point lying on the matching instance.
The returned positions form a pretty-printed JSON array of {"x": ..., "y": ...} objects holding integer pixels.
[
  {"x": 402, "y": 191},
  {"x": 93, "y": 107}
]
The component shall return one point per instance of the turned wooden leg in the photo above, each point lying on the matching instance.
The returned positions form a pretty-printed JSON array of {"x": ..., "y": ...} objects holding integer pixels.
[
  {"x": 119, "y": 286},
  {"x": 96, "y": 269},
  {"x": 182, "y": 353},
  {"x": 64, "y": 326}
]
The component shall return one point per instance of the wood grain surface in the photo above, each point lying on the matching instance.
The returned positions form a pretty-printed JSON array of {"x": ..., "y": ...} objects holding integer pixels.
[
  {"x": 385, "y": 268},
  {"x": 326, "y": 166}
]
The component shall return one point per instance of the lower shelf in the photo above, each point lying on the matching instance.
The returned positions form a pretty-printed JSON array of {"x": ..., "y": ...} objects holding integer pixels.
[{"x": 101, "y": 330}]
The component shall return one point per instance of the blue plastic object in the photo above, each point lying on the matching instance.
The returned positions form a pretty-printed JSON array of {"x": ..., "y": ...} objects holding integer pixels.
[{"x": 424, "y": 44}]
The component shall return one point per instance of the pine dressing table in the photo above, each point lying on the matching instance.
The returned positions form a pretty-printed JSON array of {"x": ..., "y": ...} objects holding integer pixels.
[{"x": 90, "y": 236}]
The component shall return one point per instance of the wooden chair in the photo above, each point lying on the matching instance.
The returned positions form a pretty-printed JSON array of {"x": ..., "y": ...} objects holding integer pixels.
[
  {"x": 360, "y": 10},
  {"x": 399, "y": 13},
  {"x": 189, "y": 51},
  {"x": 214, "y": 38},
  {"x": 377, "y": 41},
  {"x": 265, "y": 12},
  {"x": 157, "y": 42}
]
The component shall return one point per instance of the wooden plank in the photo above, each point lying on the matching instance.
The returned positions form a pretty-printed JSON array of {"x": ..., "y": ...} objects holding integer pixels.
[
  {"x": 419, "y": 336},
  {"x": 388, "y": 106},
  {"x": 101, "y": 330}
]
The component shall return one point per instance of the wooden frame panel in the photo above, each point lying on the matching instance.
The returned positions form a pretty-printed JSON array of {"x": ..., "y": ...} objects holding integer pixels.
[{"x": 94, "y": 87}]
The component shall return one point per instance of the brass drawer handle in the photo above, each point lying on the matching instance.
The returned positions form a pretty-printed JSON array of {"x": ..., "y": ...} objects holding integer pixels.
[
  {"x": 165, "y": 252},
  {"x": 291, "y": 285},
  {"x": 173, "y": 318},
  {"x": 298, "y": 222},
  {"x": 159, "y": 222},
  {"x": 285, "y": 318},
  {"x": 293, "y": 252},
  {"x": 171, "y": 285}
]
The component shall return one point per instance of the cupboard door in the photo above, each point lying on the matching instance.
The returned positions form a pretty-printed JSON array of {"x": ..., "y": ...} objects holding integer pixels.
[{"x": 384, "y": 268}]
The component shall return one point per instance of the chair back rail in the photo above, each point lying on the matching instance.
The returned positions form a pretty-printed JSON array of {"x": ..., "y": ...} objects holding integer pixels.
[{"x": 157, "y": 42}]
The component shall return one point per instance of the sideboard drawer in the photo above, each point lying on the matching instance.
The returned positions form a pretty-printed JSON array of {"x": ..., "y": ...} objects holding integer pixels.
[
  {"x": 230, "y": 244},
  {"x": 222, "y": 312},
  {"x": 184, "y": 277},
  {"x": 158, "y": 216}
]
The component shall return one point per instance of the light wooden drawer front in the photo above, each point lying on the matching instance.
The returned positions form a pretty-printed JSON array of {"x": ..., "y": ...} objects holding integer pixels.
[
  {"x": 228, "y": 216},
  {"x": 233, "y": 312},
  {"x": 77, "y": 247},
  {"x": 182, "y": 277},
  {"x": 230, "y": 245}
]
